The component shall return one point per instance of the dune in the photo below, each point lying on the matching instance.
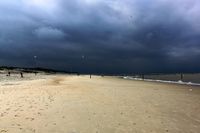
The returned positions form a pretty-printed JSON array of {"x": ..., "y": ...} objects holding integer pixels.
[{"x": 78, "y": 104}]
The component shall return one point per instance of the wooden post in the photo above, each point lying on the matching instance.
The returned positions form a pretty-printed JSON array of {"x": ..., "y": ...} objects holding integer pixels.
[
  {"x": 143, "y": 76},
  {"x": 181, "y": 77}
]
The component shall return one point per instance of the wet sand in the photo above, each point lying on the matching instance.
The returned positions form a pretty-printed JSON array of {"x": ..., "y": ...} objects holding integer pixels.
[{"x": 78, "y": 104}]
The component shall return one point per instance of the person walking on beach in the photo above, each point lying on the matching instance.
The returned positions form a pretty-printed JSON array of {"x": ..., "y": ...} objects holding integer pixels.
[
  {"x": 35, "y": 73},
  {"x": 21, "y": 74},
  {"x": 8, "y": 74}
]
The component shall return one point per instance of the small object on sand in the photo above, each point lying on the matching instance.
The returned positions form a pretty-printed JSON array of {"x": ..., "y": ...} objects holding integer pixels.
[
  {"x": 190, "y": 89},
  {"x": 21, "y": 74}
]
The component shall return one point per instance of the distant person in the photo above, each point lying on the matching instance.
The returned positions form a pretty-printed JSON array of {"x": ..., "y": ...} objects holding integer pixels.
[
  {"x": 90, "y": 76},
  {"x": 8, "y": 74},
  {"x": 21, "y": 74},
  {"x": 35, "y": 73}
]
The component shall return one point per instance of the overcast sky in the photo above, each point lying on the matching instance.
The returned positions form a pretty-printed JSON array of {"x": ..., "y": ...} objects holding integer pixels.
[{"x": 104, "y": 36}]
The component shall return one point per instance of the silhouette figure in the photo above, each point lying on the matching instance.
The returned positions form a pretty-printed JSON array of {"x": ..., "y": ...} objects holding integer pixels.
[
  {"x": 8, "y": 74},
  {"x": 21, "y": 74},
  {"x": 35, "y": 73}
]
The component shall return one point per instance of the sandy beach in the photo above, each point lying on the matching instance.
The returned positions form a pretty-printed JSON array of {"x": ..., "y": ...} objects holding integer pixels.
[{"x": 78, "y": 104}]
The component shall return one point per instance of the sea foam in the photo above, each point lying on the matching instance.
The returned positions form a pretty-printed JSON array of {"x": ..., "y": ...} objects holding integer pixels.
[{"x": 162, "y": 81}]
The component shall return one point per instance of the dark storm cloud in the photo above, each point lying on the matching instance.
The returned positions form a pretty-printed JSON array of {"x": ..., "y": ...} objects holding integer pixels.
[{"x": 101, "y": 36}]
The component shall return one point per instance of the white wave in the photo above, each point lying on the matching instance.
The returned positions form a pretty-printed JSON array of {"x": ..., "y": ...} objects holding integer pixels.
[{"x": 163, "y": 81}]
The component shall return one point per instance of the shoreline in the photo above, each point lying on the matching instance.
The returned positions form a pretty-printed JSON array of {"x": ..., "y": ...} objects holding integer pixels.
[{"x": 162, "y": 81}]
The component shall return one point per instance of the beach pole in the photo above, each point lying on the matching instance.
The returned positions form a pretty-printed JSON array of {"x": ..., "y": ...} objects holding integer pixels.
[
  {"x": 35, "y": 61},
  {"x": 181, "y": 77},
  {"x": 143, "y": 76}
]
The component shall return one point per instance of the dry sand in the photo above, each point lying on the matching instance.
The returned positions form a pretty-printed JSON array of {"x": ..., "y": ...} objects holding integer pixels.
[{"x": 72, "y": 104}]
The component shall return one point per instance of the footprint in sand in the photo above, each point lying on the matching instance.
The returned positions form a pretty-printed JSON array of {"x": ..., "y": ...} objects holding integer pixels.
[
  {"x": 31, "y": 119},
  {"x": 16, "y": 115},
  {"x": 7, "y": 109},
  {"x": 3, "y": 131},
  {"x": 3, "y": 114},
  {"x": 32, "y": 130},
  {"x": 16, "y": 109}
]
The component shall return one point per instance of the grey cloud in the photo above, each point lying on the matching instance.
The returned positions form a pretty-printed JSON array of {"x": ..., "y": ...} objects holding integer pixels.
[
  {"x": 113, "y": 35},
  {"x": 49, "y": 33}
]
